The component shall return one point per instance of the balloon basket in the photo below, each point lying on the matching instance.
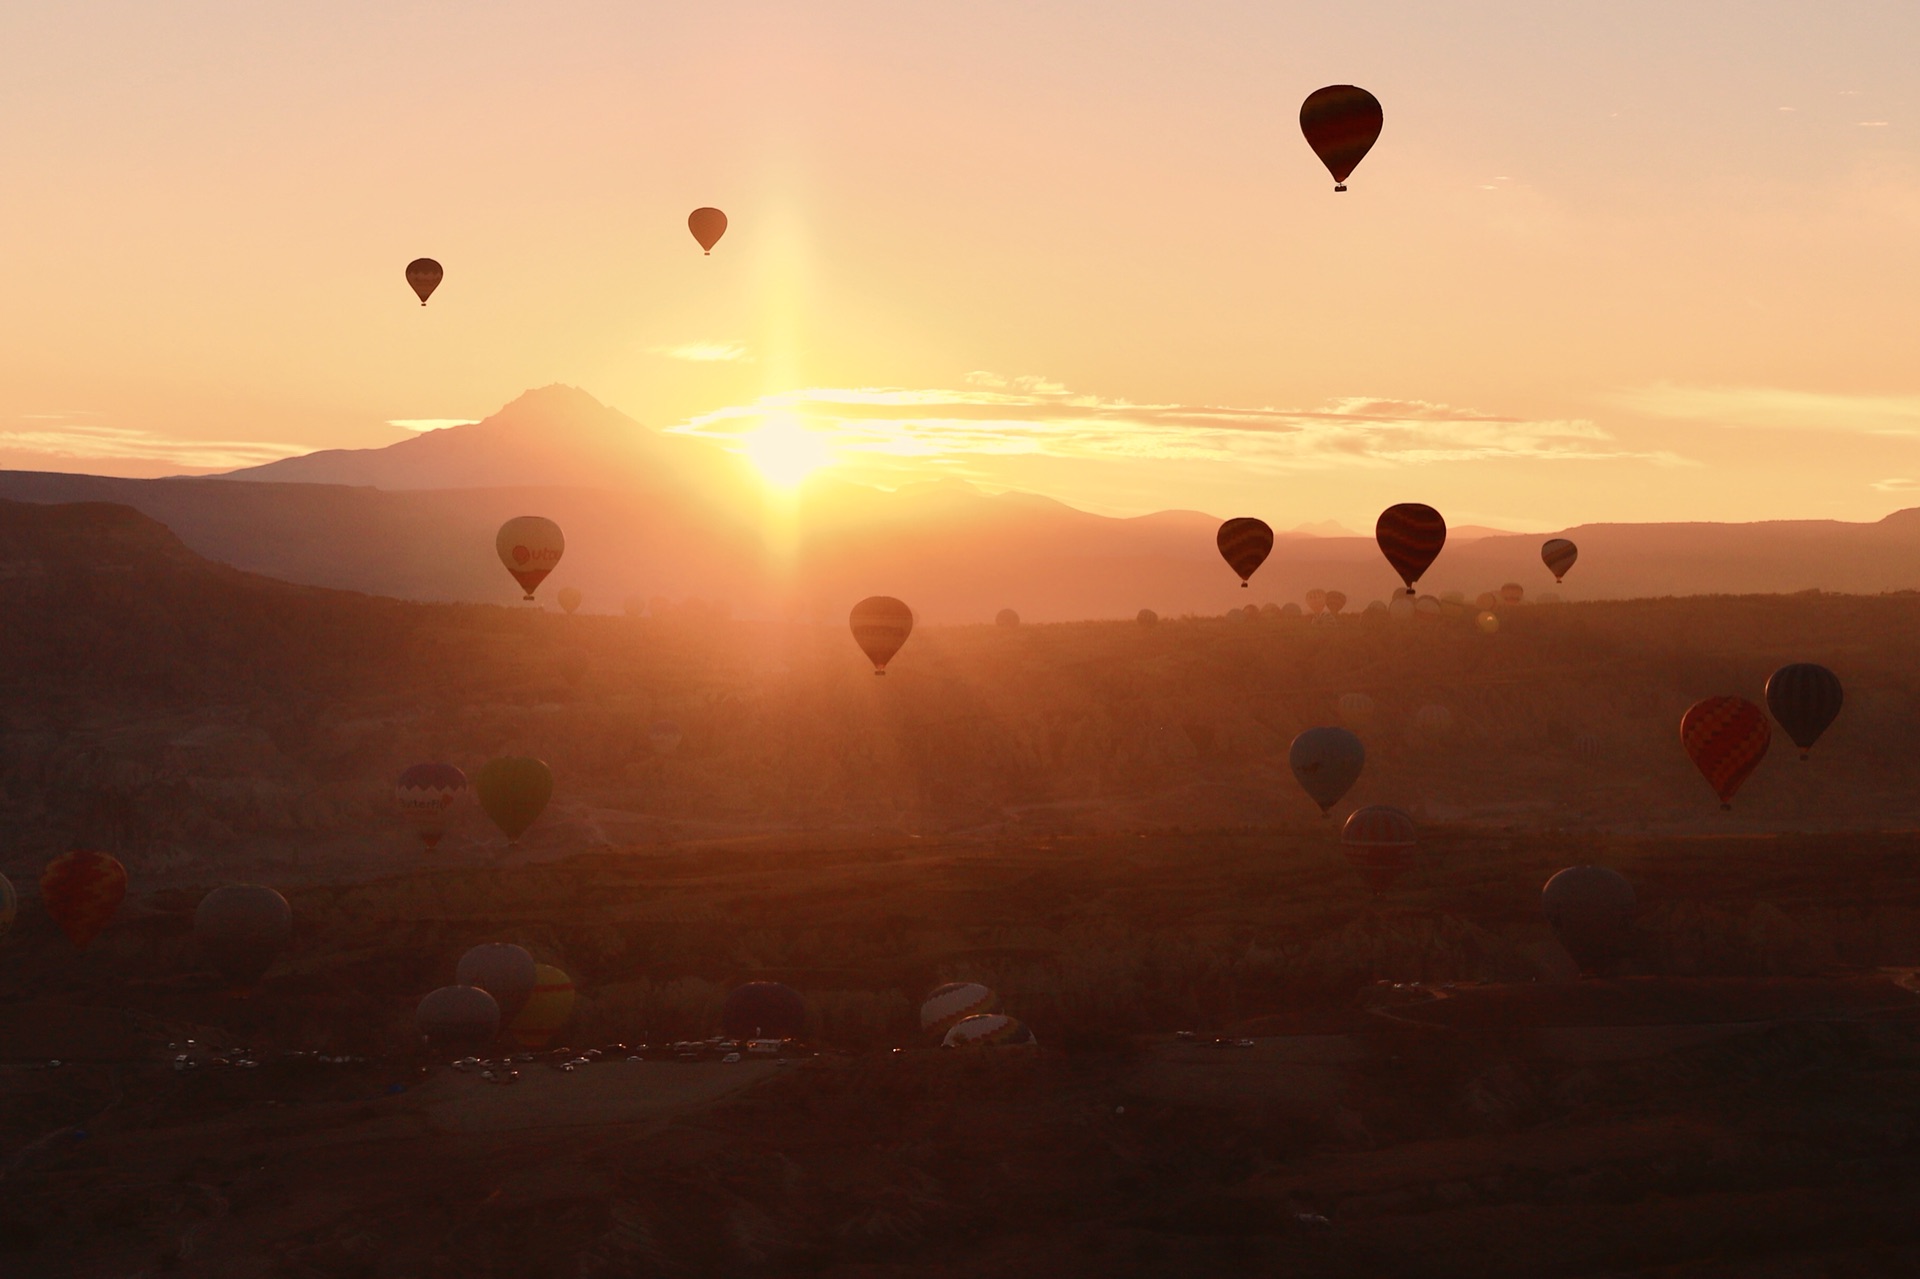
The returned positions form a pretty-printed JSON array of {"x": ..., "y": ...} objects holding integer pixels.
[{"x": 1339, "y": 186}]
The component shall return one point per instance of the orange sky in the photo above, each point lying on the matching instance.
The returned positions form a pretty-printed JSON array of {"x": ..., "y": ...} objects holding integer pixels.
[{"x": 1609, "y": 261}]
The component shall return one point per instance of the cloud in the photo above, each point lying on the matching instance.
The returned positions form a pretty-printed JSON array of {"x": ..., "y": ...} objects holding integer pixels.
[
  {"x": 704, "y": 352},
  {"x": 1032, "y": 417},
  {"x": 1898, "y": 484},
  {"x": 1777, "y": 408},
  {"x": 97, "y": 442},
  {"x": 421, "y": 425}
]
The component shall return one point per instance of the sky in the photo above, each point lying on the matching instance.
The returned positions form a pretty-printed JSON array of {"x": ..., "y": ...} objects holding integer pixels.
[{"x": 1609, "y": 261}]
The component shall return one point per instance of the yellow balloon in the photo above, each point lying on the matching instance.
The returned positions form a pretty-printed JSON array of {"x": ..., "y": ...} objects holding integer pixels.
[{"x": 546, "y": 1010}]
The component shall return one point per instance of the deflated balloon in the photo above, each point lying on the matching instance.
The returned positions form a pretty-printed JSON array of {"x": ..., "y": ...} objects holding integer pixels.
[
  {"x": 514, "y": 792},
  {"x": 569, "y": 598},
  {"x": 1806, "y": 699},
  {"x": 1410, "y": 536},
  {"x": 1341, "y": 123},
  {"x": 1327, "y": 761},
  {"x": 1379, "y": 843},
  {"x": 1558, "y": 554},
  {"x": 460, "y": 1019},
  {"x": 424, "y": 275},
  {"x": 1590, "y": 909},
  {"x": 1244, "y": 544},
  {"x": 880, "y": 625},
  {"x": 989, "y": 1030},
  {"x": 503, "y": 970},
  {"x": 547, "y": 1010},
  {"x": 530, "y": 546},
  {"x": 764, "y": 1010},
  {"x": 707, "y": 225},
  {"x": 1726, "y": 737},
  {"x": 9, "y": 905},
  {"x": 242, "y": 929},
  {"x": 947, "y": 1005},
  {"x": 426, "y": 794},
  {"x": 82, "y": 890}
]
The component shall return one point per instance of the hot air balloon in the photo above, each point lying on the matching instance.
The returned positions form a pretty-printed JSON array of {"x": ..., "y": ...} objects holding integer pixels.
[
  {"x": 1410, "y": 536},
  {"x": 1356, "y": 709},
  {"x": 764, "y": 1010},
  {"x": 9, "y": 905},
  {"x": 1316, "y": 601},
  {"x": 988, "y": 1030},
  {"x": 547, "y": 1009},
  {"x": 1512, "y": 593},
  {"x": 1244, "y": 544},
  {"x": 1806, "y": 699},
  {"x": 243, "y": 928},
  {"x": 1726, "y": 737},
  {"x": 880, "y": 626},
  {"x": 1590, "y": 909},
  {"x": 1328, "y": 762},
  {"x": 1378, "y": 842},
  {"x": 569, "y": 597},
  {"x": 1336, "y": 600},
  {"x": 530, "y": 546},
  {"x": 503, "y": 970},
  {"x": 1486, "y": 600},
  {"x": 1146, "y": 617},
  {"x": 1291, "y": 611},
  {"x": 1433, "y": 721},
  {"x": 950, "y": 1003},
  {"x": 1006, "y": 617},
  {"x": 1558, "y": 554},
  {"x": 513, "y": 791},
  {"x": 707, "y": 225},
  {"x": 460, "y": 1019},
  {"x": 1341, "y": 123},
  {"x": 1488, "y": 623},
  {"x": 663, "y": 736},
  {"x": 82, "y": 890},
  {"x": 1400, "y": 608},
  {"x": 1426, "y": 609},
  {"x": 426, "y": 794},
  {"x": 424, "y": 275}
]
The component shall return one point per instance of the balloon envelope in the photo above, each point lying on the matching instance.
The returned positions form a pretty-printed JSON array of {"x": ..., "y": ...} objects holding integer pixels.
[
  {"x": 1244, "y": 544},
  {"x": 1379, "y": 842},
  {"x": 82, "y": 890},
  {"x": 243, "y": 928},
  {"x": 880, "y": 625},
  {"x": 426, "y": 794},
  {"x": 948, "y": 1004},
  {"x": 1726, "y": 737},
  {"x": 9, "y": 905},
  {"x": 1512, "y": 593},
  {"x": 503, "y": 970},
  {"x": 569, "y": 598},
  {"x": 1341, "y": 123},
  {"x": 1410, "y": 535},
  {"x": 1146, "y": 617},
  {"x": 514, "y": 792},
  {"x": 458, "y": 1019},
  {"x": 547, "y": 1010},
  {"x": 1806, "y": 699},
  {"x": 1590, "y": 909},
  {"x": 1356, "y": 709},
  {"x": 1336, "y": 600},
  {"x": 1558, "y": 554},
  {"x": 530, "y": 546},
  {"x": 988, "y": 1030},
  {"x": 1006, "y": 617},
  {"x": 764, "y": 1010},
  {"x": 707, "y": 225},
  {"x": 1316, "y": 601},
  {"x": 424, "y": 276},
  {"x": 663, "y": 736},
  {"x": 1327, "y": 762}
]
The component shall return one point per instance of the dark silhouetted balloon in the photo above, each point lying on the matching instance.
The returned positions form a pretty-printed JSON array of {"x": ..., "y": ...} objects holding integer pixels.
[
  {"x": 424, "y": 275},
  {"x": 1244, "y": 544},
  {"x": 530, "y": 546},
  {"x": 426, "y": 794},
  {"x": 82, "y": 890},
  {"x": 1335, "y": 601},
  {"x": 946, "y": 1005},
  {"x": 9, "y": 905},
  {"x": 458, "y": 1019},
  {"x": 1558, "y": 554},
  {"x": 513, "y": 792},
  {"x": 1006, "y": 617},
  {"x": 1806, "y": 699},
  {"x": 242, "y": 929},
  {"x": 989, "y": 1030},
  {"x": 1512, "y": 593},
  {"x": 503, "y": 970},
  {"x": 1327, "y": 761},
  {"x": 1590, "y": 909},
  {"x": 1341, "y": 123},
  {"x": 764, "y": 1010},
  {"x": 1410, "y": 536},
  {"x": 1726, "y": 737},
  {"x": 547, "y": 1010},
  {"x": 1378, "y": 842},
  {"x": 1146, "y": 617},
  {"x": 880, "y": 625},
  {"x": 707, "y": 225}
]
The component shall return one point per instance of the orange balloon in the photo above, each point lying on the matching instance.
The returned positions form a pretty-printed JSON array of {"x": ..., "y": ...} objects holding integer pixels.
[
  {"x": 707, "y": 225},
  {"x": 880, "y": 626},
  {"x": 82, "y": 891}
]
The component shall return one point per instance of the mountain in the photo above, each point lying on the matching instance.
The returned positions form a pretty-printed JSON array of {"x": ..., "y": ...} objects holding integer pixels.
[{"x": 653, "y": 515}]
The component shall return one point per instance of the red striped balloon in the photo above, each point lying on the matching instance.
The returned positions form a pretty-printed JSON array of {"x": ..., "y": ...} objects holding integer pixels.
[
  {"x": 82, "y": 890},
  {"x": 1341, "y": 122},
  {"x": 1244, "y": 544},
  {"x": 1726, "y": 737},
  {"x": 1410, "y": 536},
  {"x": 1379, "y": 842}
]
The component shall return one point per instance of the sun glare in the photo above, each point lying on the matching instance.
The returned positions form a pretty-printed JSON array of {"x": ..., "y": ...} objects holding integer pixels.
[{"x": 785, "y": 452}]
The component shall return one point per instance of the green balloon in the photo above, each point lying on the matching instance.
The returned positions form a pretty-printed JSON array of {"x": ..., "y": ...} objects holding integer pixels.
[{"x": 514, "y": 792}]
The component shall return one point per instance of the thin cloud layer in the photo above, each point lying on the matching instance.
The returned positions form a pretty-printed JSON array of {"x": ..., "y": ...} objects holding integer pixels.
[
  {"x": 421, "y": 425},
  {"x": 97, "y": 442},
  {"x": 1774, "y": 407},
  {"x": 703, "y": 352}
]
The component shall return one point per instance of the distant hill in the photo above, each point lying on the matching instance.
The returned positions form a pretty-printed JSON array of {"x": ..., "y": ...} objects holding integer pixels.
[{"x": 649, "y": 514}]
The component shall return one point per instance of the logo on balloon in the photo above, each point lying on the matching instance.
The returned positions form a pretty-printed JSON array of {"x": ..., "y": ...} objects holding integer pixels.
[{"x": 521, "y": 555}]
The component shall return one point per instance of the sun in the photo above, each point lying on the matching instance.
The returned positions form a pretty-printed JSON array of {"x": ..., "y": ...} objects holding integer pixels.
[{"x": 785, "y": 452}]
